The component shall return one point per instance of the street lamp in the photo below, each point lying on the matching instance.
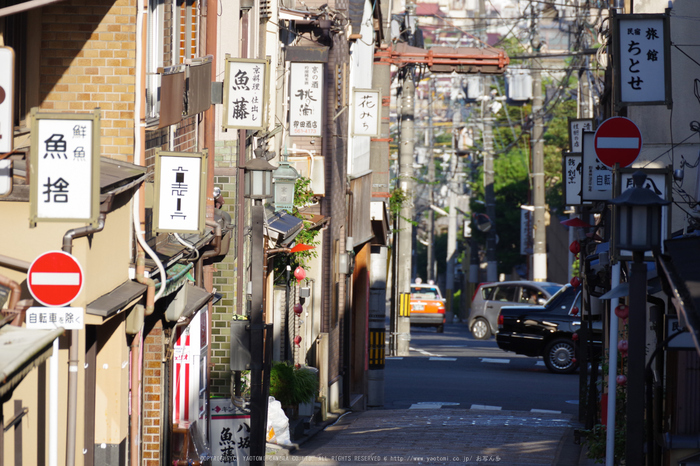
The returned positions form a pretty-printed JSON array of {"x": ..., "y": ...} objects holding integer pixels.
[
  {"x": 284, "y": 178},
  {"x": 258, "y": 186},
  {"x": 638, "y": 229}
]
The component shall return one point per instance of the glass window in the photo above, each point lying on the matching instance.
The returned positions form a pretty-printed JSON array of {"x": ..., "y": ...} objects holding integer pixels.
[{"x": 505, "y": 293}]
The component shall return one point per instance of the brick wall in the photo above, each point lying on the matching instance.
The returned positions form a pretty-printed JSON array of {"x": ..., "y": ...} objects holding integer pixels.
[
  {"x": 153, "y": 383},
  {"x": 88, "y": 61}
]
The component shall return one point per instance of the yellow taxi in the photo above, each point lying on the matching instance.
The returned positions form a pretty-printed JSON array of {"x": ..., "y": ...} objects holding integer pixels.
[{"x": 427, "y": 305}]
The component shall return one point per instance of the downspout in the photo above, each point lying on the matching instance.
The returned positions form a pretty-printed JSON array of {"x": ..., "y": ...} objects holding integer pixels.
[
  {"x": 15, "y": 292},
  {"x": 199, "y": 269},
  {"x": 72, "y": 407}
]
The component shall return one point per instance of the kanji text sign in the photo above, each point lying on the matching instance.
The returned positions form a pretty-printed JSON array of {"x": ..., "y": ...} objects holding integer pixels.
[
  {"x": 366, "y": 105},
  {"x": 180, "y": 197},
  {"x": 576, "y": 128},
  {"x": 245, "y": 93},
  {"x": 573, "y": 170},
  {"x": 48, "y": 318},
  {"x": 597, "y": 178},
  {"x": 7, "y": 78},
  {"x": 55, "y": 278},
  {"x": 64, "y": 167},
  {"x": 306, "y": 99},
  {"x": 642, "y": 59}
]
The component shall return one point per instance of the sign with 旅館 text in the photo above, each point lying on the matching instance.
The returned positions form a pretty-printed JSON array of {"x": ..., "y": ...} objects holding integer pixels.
[{"x": 65, "y": 167}]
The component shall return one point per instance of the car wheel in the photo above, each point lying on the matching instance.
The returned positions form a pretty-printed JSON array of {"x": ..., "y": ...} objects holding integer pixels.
[
  {"x": 480, "y": 329},
  {"x": 560, "y": 356},
  {"x": 441, "y": 328}
]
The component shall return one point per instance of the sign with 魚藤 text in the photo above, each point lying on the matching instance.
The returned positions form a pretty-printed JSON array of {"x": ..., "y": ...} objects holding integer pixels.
[
  {"x": 576, "y": 128},
  {"x": 7, "y": 86},
  {"x": 597, "y": 178},
  {"x": 306, "y": 99},
  {"x": 55, "y": 278},
  {"x": 65, "y": 167},
  {"x": 642, "y": 59},
  {"x": 245, "y": 93},
  {"x": 229, "y": 433},
  {"x": 179, "y": 192},
  {"x": 572, "y": 171},
  {"x": 366, "y": 105}
]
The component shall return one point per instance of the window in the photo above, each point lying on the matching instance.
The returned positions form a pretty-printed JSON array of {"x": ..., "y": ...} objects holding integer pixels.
[{"x": 505, "y": 293}]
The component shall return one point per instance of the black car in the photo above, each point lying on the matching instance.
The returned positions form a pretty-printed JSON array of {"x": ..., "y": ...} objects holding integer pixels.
[{"x": 544, "y": 330}]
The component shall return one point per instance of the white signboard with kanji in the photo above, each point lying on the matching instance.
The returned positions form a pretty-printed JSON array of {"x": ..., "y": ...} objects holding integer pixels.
[
  {"x": 366, "y": 107},
  {"x": 642, "y": 59},
  {"x": 49, "y": 318},
  {"x": 245, "y": 93},
  {"x": 576, "y": 128},
  {"x": 179, "y": 192},
  {"x": 229, "y": 433},
  {"x": 7, "y": 78},
  {"x": 305, "y": 99},
  {"x": 65, "y": 167},
  {"x": 597, "y": 179},
  {"x": 572, "y": 171}
]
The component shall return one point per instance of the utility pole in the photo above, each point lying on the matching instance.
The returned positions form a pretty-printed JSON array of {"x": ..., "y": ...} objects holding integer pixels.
[
  {"x": 430, "y": 275},
  {"x": 539, "y": 256},
  {"x": 405, "y": 184},
  {"x": 452, "y": 213}
]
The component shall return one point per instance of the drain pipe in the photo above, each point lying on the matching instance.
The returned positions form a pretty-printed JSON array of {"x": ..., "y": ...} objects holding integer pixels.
[
  {"x": 73, "y": 351},
  {"x": 15, "y": 292},
  {"x": 199, "y": 279}
]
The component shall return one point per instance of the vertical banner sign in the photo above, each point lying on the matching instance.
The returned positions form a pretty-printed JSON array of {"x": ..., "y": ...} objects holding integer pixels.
[
  {"x": 576, "y": 128},
  {"x": 526, "y": 239},
  {"x": 245, "y": 93},
  {"x": 572, "y": 169},
  {"x": 366, "y": 104},
  {"x": 642, "y": 60},
  {"x": 597, "y": 180},
  {"x": 179, "y": 192},
  {"x": 230, "y": 433},
  {"x": 7, "y": 78},
  {"x": 306, "y": 99},
  {"x": 65, "y": 168}
]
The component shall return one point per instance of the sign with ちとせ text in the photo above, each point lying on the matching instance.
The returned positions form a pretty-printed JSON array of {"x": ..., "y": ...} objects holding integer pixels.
[{"x": 65, "y": 168}]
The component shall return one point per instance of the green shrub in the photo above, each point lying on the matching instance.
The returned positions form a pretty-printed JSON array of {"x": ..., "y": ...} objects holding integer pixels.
[{"x": 292, "y": 386}]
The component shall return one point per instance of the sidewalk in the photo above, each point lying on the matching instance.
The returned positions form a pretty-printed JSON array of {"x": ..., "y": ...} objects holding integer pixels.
[{"x": 437, "y": 437}]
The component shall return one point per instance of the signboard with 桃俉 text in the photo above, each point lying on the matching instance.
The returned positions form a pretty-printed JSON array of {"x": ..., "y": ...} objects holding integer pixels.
[{"x": 306, "y": 99}]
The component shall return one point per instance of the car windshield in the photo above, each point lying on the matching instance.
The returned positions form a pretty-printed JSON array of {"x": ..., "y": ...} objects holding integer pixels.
[
  {"x": 552, "y": 289},
  {"x": 425, "y": 293}
]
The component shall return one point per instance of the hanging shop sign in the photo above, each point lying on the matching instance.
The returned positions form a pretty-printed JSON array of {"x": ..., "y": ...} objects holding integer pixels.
[
  {"x": 64, "y": 167},
  {"x": 596, "y": 177},
  {"x": 572, "y": 170},
  {"x": 642, "y": 59},
  {"x": 306, "y": 99},
  {"x": 245, "y": 93},
  {"x": 7, "y": 80},
  {"x": 576, "y": 128},
  {"x": 366, "y": 105},
  {"x": 179, "y": 202}
]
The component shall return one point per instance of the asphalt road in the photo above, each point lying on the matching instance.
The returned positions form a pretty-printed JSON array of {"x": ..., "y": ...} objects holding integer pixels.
[{"x": 453, "y": 369}]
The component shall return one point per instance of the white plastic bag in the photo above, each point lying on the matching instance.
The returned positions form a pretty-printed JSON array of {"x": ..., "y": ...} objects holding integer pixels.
[{"x": 277, "y": 423}]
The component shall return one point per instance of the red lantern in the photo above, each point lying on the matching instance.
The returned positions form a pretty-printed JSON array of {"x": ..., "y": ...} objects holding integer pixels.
[
  {"x": 575, "y": 247},
  {"x": 621, "y": 379},
  {"x": 622, "y": 311},
  {"x": 299, "y": 274},
  {"x": 298, "y": 309},
  {"x": 575, "y": 282},
  {"x": 623, "y": 346},
  {"x": 297, "y": 340},
  {"x": 574, "y": 337},
  {"x": 574, "y": 311}
]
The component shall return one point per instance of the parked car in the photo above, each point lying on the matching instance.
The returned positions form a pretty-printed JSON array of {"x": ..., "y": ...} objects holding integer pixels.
[
  {"x": 546, "y": 330},
  {"x": 490, "y": 297},
  {"x": 427, "y": 306}
]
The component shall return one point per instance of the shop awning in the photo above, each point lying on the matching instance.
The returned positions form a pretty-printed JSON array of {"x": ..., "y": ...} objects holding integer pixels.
[
  {"x": 111, "y": 303},
  {"x": 22, "y": 350}
]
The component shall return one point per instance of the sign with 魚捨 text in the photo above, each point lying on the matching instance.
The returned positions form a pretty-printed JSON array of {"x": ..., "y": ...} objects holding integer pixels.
[{"x": 64, "y": 167}]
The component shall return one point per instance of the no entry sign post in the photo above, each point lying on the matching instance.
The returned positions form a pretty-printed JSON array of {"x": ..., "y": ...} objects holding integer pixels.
[
  {"x": 618, "y": 140},
  {"x": 55, "y": 278}
]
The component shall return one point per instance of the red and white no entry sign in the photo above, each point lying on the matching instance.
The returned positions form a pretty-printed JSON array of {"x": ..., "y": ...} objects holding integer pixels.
[
  {"x": 618, "y": 140},
  {"x": 55, "y": 278}
]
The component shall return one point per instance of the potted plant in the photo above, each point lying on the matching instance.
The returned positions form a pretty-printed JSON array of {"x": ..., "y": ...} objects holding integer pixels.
[{"x": 292, "y": 386}]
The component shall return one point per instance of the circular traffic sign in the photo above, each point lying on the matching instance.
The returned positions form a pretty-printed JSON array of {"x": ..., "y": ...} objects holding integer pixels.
[
  {"x": 618, "y": 140},
  {"x": 55, "y": 278}
]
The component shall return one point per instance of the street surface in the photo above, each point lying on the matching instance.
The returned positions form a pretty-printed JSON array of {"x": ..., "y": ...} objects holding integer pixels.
[{"x": 454, "y": 401}]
